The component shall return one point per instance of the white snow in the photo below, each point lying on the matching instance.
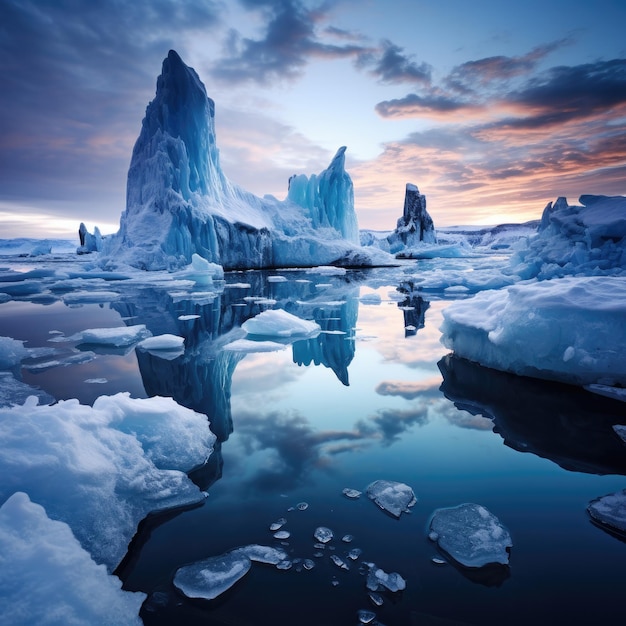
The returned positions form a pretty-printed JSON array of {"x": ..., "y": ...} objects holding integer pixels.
[
  {"x": 162, "y": 342},
  {"x": 280, "y": 323},
  {"x": 102, "y": 469},
  {"x": 471, "y": 535},
  {"x": 117, "y": 336},
  {"x": 394, "y": 497},
  {"x": 569, "y": 329},
  {"x": 46, "y": 577}
]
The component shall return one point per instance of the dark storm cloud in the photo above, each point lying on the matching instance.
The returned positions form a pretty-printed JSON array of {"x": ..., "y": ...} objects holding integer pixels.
[
  {"x": 289, "y": 42},
  {"x": 390, "y": 65},
  {"x": 414, "y": 105},
  {"x": 469, "y": 76},
  {"x": 76, "y": 76}
]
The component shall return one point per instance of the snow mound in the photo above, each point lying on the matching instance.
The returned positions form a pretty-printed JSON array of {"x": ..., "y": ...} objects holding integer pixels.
[
  {"x": 570, "y": 329},
  {"x": 46, "y": 577},
  {"x": 471, "y": 535},
  {"x": 102, "y": 469}
]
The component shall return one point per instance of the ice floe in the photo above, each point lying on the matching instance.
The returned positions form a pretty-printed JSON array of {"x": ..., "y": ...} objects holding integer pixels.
[
  {"x": 610, "y": 511},
  {"x": 394, "y": 497},
  {"x": 471, "y": 535},
  {"x": 280, "y": 323}
]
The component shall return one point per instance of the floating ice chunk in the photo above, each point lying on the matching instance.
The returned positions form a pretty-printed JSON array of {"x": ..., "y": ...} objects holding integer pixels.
[
  {"x": 276, "y": 279},
  {"x": 377, "y": 599},
  {"x": 327, "y": 270},
  {"x": 302, "y": 506},
  {"x": 391, "y": 496},
  {"x": 323, "y": 534},
  {"x": 355, "y": 553},
  {"x": 308, "y": 564},
  {"x": 117, "y": 336},
  {"x": 250, "y": 346},
  {"x": 347, "y": 538},
  {"x": 263, "y": 554},
  {"x": 370, "y": 298},
  {"x": 187, "y": 318},
  {"x": 437, "y": 561},
  {"x": 284, "y": 565},
  {"x": 278, "y": 524},
  {"x": 47, "y": 577},
  {"x": 366, "y": 617},
  {"x": 12, "y": 351},
  {"x": 90, "y": 297},
  {"x": 280, "y": 323},
  {"x": 378, "y": 578},
  {"x": 237, "y": 286},
  {"x": 282, "y": 534},
  {"x": 338, "y": 561},
  {"x": 610, "y": 510},
  {"x": 353, "y": 494},
  {"x": 162, "y": 342},
  {"x": 213, "y": 576},
  {"x": 96, "y": 381},
  {"x": 471, "y": 535}
]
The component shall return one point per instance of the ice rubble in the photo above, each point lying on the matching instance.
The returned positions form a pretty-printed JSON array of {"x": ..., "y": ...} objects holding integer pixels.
[
  {"x": 569, "y": 329},
  {"x": 102, "y": 469},
  {"x": 47, "y": 577},
  {"x": 471, "y": 535},
  {"x": 179, "y": 201}
]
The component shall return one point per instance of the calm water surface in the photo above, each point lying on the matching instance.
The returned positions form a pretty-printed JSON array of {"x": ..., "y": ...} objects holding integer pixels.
[{"x": 375, "y": 396}]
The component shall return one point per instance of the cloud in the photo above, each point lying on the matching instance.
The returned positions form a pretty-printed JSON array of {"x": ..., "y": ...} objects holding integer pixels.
[
  {"x": 290, "y": 41},
  {"x": 389, "y": 424},
  {"x": 409, "y": 390},
  {"x": 392, "y": 66},
  {"x": 435, "y": 104}
]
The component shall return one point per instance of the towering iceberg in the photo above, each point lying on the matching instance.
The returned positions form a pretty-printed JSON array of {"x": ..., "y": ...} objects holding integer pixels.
[
  {"x": 179, "y": 202},
  {"x": 415, "y": 227}
]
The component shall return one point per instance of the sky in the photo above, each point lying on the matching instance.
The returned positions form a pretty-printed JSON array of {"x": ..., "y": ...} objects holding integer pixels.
[{"x": 492, "y": 109}]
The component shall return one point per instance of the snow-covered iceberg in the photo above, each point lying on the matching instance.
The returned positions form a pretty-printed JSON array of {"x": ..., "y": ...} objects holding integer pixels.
[
  {"x": 589, "y": 239},
  {"x": 569, "y": 329},
  {"x": 179, "y": 201}
]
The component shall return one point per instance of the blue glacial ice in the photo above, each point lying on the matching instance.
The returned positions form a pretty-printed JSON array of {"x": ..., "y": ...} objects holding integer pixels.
[
  {"x": 471, "y": 535},
  {"x": 179, "y": 202}
]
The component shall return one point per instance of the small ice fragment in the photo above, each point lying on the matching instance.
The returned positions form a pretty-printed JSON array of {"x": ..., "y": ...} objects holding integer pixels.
[
  {"x": 276, "y": 279},
  {"x": 319, "y": 546},
  {"x": 302, "y": 506},
  {"x": 187, "y": 318},
  {"x": 471, "y": 535},
  {"x": 308, "y": 564},
  {"x": 353, "y": 494},
  {"x": 323, "y": 534},
  {"x": 433, "y": 536},
  {"x": 291, "y": 508},
  {"x": 282, "y": 534},
  {"x": 376, "y": 598},
  {"x": 278, "y": 524},
  {"x": 377, "y": 578},
  {"x": 437, "y": 561},
  {"x": 338, "y": 561},
  {"x": 334, "y": 582},
  {"x": 391, "y": 496},
  {"x": 347, "y": 538},
  {"x": 211, "y": 577},
  {"x": 355, "y": 553},
  {"x": 284, "y": 565},
  {"x": 318, "y": 555},
  {"x": 366, "y": 617}
]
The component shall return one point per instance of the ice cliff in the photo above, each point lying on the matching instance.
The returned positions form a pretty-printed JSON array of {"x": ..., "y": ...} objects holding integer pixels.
[{"x": 179, "y": 201}]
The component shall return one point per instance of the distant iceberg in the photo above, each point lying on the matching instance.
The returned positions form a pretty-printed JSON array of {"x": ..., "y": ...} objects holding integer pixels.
[{"x": 179, "y": 201}]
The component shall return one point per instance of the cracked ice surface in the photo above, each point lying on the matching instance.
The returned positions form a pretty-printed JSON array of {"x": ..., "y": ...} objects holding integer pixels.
[{"x": 471, "y": 535}]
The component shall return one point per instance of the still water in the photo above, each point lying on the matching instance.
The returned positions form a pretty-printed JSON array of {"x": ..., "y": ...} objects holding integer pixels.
[{"x": 374, "y": 396}]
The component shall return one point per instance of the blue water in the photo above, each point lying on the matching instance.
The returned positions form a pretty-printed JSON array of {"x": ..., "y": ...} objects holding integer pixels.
[{"x": 378, "y": 401}]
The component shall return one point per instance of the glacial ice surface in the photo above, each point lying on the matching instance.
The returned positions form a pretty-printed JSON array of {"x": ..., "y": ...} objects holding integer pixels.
[
  {"x": 569, "y": 329},
  {"x": 394, "y": 497},
  {"x": 471, "y": 535}
]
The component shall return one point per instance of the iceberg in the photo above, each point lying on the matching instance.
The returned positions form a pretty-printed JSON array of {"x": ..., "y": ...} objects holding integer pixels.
[
  {"x": 471, "y": 535},
  {"x": 393, "y": 497},
  {"x": 46, "y": 577},
  {"x": 415, "y": 227},
  {"x": 589, "y": 239},
  {"x": 569, "y": 329},
  {"x": 180, "y": 203}
]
